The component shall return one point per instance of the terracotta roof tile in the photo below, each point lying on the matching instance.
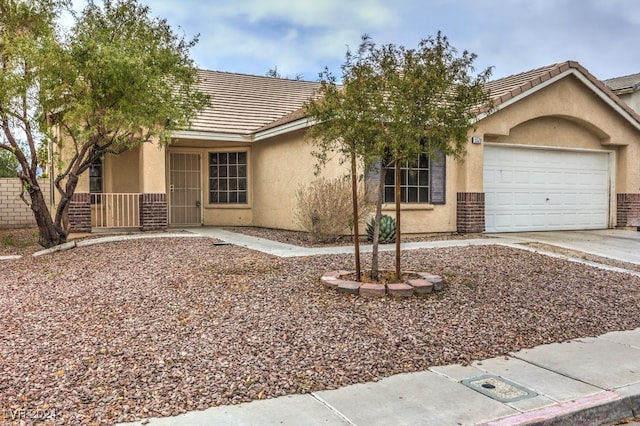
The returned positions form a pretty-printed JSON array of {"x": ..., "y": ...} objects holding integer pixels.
[
  {"x": 509, "y": 87},
  {"x": 247, "y": 104},
  {"x": 242, "y": 104}
]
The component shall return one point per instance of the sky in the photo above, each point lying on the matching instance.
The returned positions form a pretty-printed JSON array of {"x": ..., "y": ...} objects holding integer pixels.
[{"x": 302, "y": 37}]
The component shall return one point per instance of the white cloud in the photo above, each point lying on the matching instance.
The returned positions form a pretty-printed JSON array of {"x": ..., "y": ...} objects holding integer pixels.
[{"x": 304, "y": 36}]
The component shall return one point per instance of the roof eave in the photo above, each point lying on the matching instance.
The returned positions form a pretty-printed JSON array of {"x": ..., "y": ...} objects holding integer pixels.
[
  {"x": 292, "y": 126},
  {"x": 212, "y": 136}
]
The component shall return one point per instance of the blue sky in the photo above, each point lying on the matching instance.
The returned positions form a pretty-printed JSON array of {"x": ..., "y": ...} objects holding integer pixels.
[{"x": 304, "y": 36}]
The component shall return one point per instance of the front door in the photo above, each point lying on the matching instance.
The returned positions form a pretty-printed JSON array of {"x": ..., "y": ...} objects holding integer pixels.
[{"x": 184, "y": 188}]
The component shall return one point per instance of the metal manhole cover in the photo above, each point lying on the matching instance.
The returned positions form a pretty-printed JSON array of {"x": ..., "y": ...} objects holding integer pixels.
[{"x": 498, "y": 388}]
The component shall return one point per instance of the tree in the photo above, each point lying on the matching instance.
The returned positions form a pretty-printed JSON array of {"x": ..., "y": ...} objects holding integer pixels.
[
  {"x": 409, "y": 102},
  {"x": 8, "y": 165},
  {"x": 274, "y": 73},
  {"x": 120, "y": 78},
  {"x": 346, "y": 122}
]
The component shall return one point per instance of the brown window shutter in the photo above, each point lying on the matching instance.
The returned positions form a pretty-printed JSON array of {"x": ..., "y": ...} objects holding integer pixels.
[{"x": 438, "y": 181}]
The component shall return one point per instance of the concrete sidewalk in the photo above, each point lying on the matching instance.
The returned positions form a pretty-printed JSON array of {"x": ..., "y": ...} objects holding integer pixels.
[
  {"x": 289, "y": 250},
  {"x": 588, "y": 381}
]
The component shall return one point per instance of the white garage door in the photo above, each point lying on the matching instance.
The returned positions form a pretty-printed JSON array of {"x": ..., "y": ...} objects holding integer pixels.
[{"x": 543, "y": 190}]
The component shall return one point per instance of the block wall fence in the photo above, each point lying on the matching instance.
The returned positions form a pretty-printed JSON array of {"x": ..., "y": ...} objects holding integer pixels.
[{"x": 14, "y": 213}]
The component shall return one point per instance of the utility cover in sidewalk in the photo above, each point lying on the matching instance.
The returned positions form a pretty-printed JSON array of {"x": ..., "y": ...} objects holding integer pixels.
[{"x": 498, "y": 388}]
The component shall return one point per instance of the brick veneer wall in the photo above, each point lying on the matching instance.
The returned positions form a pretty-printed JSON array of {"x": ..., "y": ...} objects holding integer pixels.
[
  {"x": 153, "y": 212},
  {"x": 80, "y": 212},
  {"x": 14, "y": 213},
  {"x": 470, "y": 212},
  {"x": 628, "y": 207}
]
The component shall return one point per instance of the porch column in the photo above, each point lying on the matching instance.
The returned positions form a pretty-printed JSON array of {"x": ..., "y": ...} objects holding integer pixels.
[
  {"x": 153, "y": 187},
  {"x": 470, "y": 212},
  {"x": 628, "y": 206},
  {"x": 80, "y": 212}
]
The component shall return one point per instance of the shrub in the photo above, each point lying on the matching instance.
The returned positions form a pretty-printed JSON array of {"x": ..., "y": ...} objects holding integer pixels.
[
  {"x": 325, "y": 210},
  {"x": 387, "y": 233}
]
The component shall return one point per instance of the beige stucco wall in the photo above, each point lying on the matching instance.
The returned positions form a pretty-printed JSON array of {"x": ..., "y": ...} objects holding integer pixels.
[
  {"x": 282, "y": 165},
  {"x": 219, "y": 214},
  {"x": 285, "y": 163},
  {"x": 120, "y": 173},
  {"x": 565, "y": 114},
  {"x": 279, "y": 166},
  {"x": 138, "y": 170},
  {"x": 151, "y": 168}
]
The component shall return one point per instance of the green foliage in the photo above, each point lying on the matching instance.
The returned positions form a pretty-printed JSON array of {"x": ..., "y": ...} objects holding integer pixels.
[
  {"x": 118, "y": 79},
  {"x": 8, "y": 164},
  {"x": 324, "y": 209},
  {"x": 387, "y": 233},
  {"x": 274, "y": 73},
  {"x": 395, "y": 104}
]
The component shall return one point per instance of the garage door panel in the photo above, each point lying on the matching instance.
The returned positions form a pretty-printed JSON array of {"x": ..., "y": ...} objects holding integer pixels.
[{"x": 538, "y": 189}]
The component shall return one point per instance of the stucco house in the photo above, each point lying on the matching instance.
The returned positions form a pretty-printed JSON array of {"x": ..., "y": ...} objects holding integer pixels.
[{"x": 559, "y": 152}]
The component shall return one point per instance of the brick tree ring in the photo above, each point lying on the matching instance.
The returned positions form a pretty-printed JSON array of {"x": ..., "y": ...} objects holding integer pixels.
[{"x": 419, "y": 283}]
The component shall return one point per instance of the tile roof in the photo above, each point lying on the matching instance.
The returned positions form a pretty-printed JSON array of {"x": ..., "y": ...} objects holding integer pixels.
[
  {"x": 243, "y": 104},
  {"x": 504, "y": 89},
  {"x": 626, "y": 84}
]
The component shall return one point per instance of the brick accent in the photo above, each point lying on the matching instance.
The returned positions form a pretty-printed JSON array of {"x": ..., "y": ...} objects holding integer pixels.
[
  {"x": 80, "y": 212},
  {"x": 628, "y": 207},
  {"x": 153, "y": 212},
  {"x": 14, "y": 213},
  {"x": 470, "y": 212}
]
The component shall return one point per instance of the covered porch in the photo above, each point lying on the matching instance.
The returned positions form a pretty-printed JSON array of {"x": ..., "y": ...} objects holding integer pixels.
[{"x": 123, "y": 192}]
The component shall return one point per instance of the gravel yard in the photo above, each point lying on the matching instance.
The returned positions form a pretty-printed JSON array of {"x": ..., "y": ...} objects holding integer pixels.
[{"x": 145, "y": 328}]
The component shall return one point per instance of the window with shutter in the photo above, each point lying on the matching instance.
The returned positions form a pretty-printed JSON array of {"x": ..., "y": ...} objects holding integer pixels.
[{"x": 421, "y": 182}]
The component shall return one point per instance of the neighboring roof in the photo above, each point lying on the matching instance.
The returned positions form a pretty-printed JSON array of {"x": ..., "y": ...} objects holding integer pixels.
[
  {"x": 246, "y": 107},
  {"x": 626, "y": 84},
  {"x": 243, "y": 104}
]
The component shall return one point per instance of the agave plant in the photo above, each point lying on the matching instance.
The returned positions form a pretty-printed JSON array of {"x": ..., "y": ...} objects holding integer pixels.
[{"x": 387, "y": 229}]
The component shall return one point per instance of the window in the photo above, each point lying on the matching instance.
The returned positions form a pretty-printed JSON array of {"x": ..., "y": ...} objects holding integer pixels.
[
  {"x": 95, "y": 176},
  {"x": 422, "y": 181},
  {"x": 228, "y": 177},
  {"x": 95, "y": 180}
]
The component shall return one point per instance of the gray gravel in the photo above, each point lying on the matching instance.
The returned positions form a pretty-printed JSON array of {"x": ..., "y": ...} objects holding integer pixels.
[{"x": 146, "y": 328}]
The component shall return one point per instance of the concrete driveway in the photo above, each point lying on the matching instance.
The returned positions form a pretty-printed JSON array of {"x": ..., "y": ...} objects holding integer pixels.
[{"x": 618, "y": 244}]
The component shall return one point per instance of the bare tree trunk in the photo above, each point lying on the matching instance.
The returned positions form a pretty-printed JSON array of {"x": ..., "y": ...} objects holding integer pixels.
[
  {"x": 398, "y": 199},
  {"x": 375, "y": 266},
  {"x": 48, "y": 234},
  {"x": 62, "y": 212},
  {"x": 356, "y": 215}
]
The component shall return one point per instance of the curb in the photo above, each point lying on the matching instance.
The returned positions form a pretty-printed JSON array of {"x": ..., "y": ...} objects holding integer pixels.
[
  {"x": 596, "y": 410},
  {"x": 112, "y": 239},
  {"x": 54, "y": 249}
]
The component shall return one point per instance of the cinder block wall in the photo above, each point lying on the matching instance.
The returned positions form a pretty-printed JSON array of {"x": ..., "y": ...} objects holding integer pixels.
[{"x": 14, "y": 213}]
